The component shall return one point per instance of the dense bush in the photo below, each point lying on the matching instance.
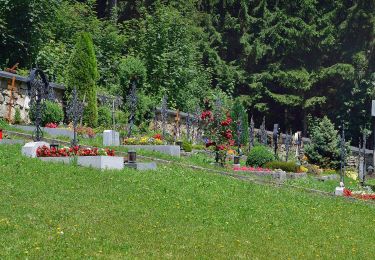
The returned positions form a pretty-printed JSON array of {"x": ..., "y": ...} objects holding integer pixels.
[
  {"x": 52, "y": 113},
  {"x": 259, "y": 156},
  {"x": 104, "y": 116},
  {"x": 324, "y": 149},
  {"x": 17, "y": 116},
  {"x": 188, "y": 147},
  {"x": 285, "y": 166}
]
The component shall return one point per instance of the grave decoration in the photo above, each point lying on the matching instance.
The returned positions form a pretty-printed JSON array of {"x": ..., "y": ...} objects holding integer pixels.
[
  {"x": 75, "y": 110},
  {"x": 45, "y": 151},
  {"x": 89, "y": 157},
  {"x": 188, "y": 127},
  {"x": 340, "y": 190},
  {"x": 263, "y": 132},
  {"x": 39, "y": 91},
  {"x": 164, "y": 115},
  {"x": 288, "y": 139},
  {"x": 195, "y": 122},
  {"x": 251, "y": 134},
  {"x": 156, "y": 139},
  {"x": 177, "y": 128},
  {"x": 275, "y": 136},
  {"x": 132, "y": 100}
]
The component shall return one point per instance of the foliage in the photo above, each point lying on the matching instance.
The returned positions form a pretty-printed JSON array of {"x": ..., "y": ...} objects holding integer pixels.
[
  {"x": 17, "y": 116},
  {"x": 239, "y": 114},
  {"x": 216, "y": 125},
  {"x": 52, "y": 113},
  {"x": 131, "y": 68},
  {"x": 324, "y": 148},
  {"x": 104, "y": 116},
  {"x": 82, "y": 73},
  {"x": 285, "y": 56},
  {"x": 187, "y": 147},
  {"x": 259, "y": 156},
  {"x": 285, "y": 166}
]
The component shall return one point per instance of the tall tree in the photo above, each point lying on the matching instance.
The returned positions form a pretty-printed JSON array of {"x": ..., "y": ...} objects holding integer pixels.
[{"x": 82, "y": 73}]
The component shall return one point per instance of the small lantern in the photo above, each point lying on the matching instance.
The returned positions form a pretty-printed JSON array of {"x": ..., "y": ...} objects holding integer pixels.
[
  {"x": 236, "y": 160},
  {"x": 56, "y": 146},
  {"x": 132, "y": 157},
  {"x": 1, "y": 134},
  {"x": 370, "y": 170}
]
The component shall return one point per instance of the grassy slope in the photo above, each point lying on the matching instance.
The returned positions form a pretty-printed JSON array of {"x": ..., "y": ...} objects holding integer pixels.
[{"x": 64, "y": 211}]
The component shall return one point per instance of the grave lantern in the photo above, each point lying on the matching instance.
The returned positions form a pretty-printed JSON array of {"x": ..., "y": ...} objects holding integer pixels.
[
  {"x": 132, "y": 156},
  {"x": 1, "y": 134},
  {"x": 236, "y": 160}
]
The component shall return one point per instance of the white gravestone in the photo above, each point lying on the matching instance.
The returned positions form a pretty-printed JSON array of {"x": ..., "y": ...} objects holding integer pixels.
[
  {"x": 29, "y": 149},
  {"x": 111, "y": 138}
]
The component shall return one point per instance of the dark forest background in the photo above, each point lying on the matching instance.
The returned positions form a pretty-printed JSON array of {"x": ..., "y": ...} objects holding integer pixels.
[{"x": 286, "y": 60}]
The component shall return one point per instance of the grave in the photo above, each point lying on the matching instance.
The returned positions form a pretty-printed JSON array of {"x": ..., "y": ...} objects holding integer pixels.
[
  {"x": 102, "y": 162},
  {"x": 141, "y": 166},
  {"x": 111, "y": 138},
  {"x": 29, "y": 149},
  {"x": 173, "y": 150}
]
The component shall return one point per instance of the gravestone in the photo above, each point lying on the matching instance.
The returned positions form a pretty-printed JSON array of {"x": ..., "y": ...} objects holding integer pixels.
[
  {"x": 141, "y": 166},
  {"x": 29, "y": 149},
  {"x": 111, "y": 138}
]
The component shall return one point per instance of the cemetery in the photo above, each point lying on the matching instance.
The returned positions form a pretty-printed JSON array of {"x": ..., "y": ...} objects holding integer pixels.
[{"x": 163, "y": 130}]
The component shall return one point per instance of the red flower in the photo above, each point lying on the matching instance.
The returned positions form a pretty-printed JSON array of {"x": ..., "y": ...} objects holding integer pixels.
[
  {"x": 158, "y": 136},
  {"x": 347, "y": 192},
  {"x": 208, "y": 144},
  {"x": 52, "y": 125},
  {"x": 206, "y": 115},
  {"x": 226, "y": 122}
]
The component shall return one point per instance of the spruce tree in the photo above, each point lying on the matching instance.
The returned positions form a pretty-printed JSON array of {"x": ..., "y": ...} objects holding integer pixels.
[
  {"x": 82, "y": 73},
  {"x": 324, "y": 149},
  {"x": 239, "y": 113}
]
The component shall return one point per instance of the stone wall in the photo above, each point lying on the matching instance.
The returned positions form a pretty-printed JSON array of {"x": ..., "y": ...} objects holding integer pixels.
[{"x": 20, "y": 96}]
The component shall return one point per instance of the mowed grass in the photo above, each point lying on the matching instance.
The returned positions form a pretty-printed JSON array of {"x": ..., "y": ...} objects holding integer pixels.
[{"x": 59, "y": 211}]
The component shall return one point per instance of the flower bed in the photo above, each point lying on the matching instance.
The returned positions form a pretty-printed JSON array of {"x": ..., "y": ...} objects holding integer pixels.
[
  {"x": 251, "y": 169},
  {"x": 45, "y": 151},
  {"x": 144, "y": 140},
  {"x": 359, "y": 195}
]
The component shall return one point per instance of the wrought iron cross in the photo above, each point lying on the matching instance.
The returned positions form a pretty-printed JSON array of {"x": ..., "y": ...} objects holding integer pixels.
[
  {"x": 132, "y": 103},
  {"x": 263, "y": 132},
  {"x": 39, "y": 91},
  {"x": 188, "y": 126},
  {"x": 164, "y": 114},
  {"x": 342, "y": 155},
  {"x": 251, "y": 134},
  {"x": 288, "y": 139},
  {"x": 74, "y": 111}
]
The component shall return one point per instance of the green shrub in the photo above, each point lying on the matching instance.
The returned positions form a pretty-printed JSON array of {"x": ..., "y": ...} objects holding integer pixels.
[
  {"x": 324, "y": 149},
  {"x": 285, "y": 166},
  {"x": 17, "y": 116},
  {"x": 82, "y": 73},
  {"x": 104, "y": 116},
  {"x": 52, "y": 113},
  {"x": 259, "y": 156},
  {"x": 188, "y": 147}
]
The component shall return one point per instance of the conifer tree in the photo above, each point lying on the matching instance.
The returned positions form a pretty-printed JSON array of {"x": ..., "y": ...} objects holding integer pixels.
[{"x": 82, "y": 73}]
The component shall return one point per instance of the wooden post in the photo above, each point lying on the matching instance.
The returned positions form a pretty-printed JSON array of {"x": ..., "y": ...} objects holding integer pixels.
[{"x": 11, "y": 88}]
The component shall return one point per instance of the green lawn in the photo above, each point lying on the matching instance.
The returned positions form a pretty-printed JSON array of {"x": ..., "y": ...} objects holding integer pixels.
[{"x": 51, "y": 210}]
